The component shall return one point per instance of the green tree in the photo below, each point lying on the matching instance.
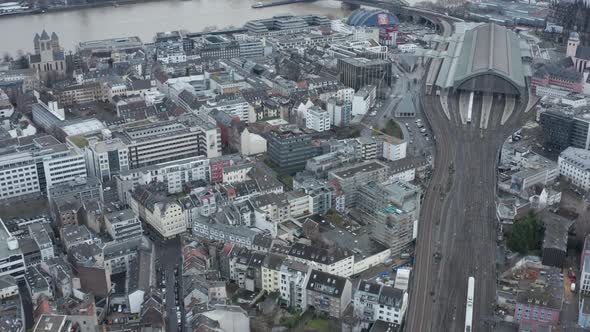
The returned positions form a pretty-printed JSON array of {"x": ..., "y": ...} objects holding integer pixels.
[{"x": 527, "y": 234}]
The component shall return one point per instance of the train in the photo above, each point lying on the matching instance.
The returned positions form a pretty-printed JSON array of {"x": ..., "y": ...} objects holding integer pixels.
[
  {"x": 470, "y": 107},
  {"x": 469, "y": 305}
]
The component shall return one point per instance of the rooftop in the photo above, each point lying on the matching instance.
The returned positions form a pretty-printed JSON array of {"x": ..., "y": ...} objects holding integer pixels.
[{"x": 326, "y": 283}]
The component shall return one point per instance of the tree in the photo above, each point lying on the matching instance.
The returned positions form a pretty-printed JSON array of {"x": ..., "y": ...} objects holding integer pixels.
[{"x": 526, "y": 234}]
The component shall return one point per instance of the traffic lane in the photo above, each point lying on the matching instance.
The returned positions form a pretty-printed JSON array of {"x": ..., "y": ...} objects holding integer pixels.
[{"x": 169, "y": 259}]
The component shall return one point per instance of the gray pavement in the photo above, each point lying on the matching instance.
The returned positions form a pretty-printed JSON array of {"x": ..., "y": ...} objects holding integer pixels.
[{"x": 169, "y": 258}]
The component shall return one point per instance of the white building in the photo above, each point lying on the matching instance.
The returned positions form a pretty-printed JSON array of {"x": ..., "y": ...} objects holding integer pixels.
[
  {"x": 105, "y": 156},
  {"x": 41, "y": 163},
  {"x": 12, "y": 261},
  {"x": 393, "y": 148},
  {"x": 40, "y": 235},
  {"x": 574, "y": 164},
  {"x": 236, "y": 108},
  {"x": 122, "y": 225},
  {"x": 363, "y": 100},
  {"x": 293, "y": 279},
  {"x": 175, "y": 174},
  {"x": 407, "y": 48},
  {"x": 585, "y": 268},
  {"x": 317, "y": 119},
  {"x": 251, "y": 144},
  {"x": 378, "y": 302},
  {"x": 340, "y": 262},
  {"x": 162, "y": 213},
  {"x": 8, "y": 287}
]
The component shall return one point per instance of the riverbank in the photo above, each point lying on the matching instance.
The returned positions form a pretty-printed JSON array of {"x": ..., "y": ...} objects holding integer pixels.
[
  {"x": 116, "y": 3},
  {"x": 144, "y": 19}
]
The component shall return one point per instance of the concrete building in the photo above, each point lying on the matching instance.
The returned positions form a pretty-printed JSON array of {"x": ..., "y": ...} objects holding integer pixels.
[
  {"x": 317, "y": 119},
  {"x": 36, "y": 164},
  {"x": 12, "y": 261},
  {"x": 392, "y": 148},
  {"x": 327, "y": 293},
  {"x": 564, "y": 127},
  {"x": 293, "y": 280},
  {"x": 349, "y": 179},
  {"x": 340, "y": 112},
  {"x": 40, "y": 235},
  {"x": 392, "y": 210},
  {"x": 584, "y": 283},
  {"x": 574, "y": 165},
  {"x": 160, "y": 142},
  {"x": 251, "y": 143},
  {"x": 364, "y": 99},
  {"x": 234, "y": 107},
  {"x": 122, "y": 225},
  {"x": 289, "y": 148},
  {"x": 359, "y": 72},
  {"x": 175, "y": 175},
  {"x": 337, "y": 261}
]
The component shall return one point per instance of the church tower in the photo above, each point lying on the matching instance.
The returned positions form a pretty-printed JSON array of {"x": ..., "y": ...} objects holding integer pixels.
[{"x": 572, "y": 44}]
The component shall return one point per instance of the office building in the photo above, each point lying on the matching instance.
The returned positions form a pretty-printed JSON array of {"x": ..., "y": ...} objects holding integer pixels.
[
  {"x": 12, "y": 261},
  {"x": 37, "y": 163},
  {"x": 359, "y": 72},
  {"x": 289, "y": 148},
  {"x": 174, "y": 174}
]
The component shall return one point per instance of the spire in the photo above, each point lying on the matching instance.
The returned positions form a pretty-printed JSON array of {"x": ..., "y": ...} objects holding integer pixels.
[
  {"x": 36, "y": 37},
  {"x": 44, "y": 35},
  {"x": 54, "y": 36}
]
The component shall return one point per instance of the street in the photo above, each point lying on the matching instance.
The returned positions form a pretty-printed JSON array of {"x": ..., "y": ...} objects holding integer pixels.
[{"x": 169, "y": 264}]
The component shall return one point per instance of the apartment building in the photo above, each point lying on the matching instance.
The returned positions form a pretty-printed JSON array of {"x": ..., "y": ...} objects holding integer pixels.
[
  {"x": 337, "y": 261},
  {"x": 379, "y": 302},
  {"x": 317, "y": 119},
  {"x": 327, "y": 293},
  {"x": 162, "y": 213}
]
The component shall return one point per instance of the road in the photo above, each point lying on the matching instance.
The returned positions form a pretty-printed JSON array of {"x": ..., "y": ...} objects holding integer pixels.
[
  {"x": 458, "y": 220},
  {"x": 169, "y": 258}
]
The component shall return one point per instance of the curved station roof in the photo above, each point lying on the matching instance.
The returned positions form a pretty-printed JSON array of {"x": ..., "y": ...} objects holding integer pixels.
[{"x": 486, "y": 58}]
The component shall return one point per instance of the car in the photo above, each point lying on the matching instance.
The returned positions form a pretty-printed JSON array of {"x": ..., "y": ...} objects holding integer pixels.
[
  {"x": 411, "y": 141},
  {"x": 407, "y": 124}
]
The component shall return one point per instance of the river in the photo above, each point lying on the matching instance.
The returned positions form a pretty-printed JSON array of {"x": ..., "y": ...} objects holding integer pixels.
[{"x": 143, "y": 20}]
